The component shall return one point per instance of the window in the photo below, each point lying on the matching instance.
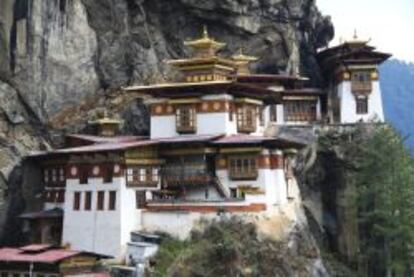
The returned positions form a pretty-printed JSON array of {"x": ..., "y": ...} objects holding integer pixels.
[
  {"x": 76, "y": 201},
  {"x": 112, "y": 200},
  {"x": 246, "y": 119},
  {"x": 143, "y": 176},
  {"x": 361, "y": 81},
  {"x": 243, "y": 167},
  {"x": 233, "y": 192},
  {"x": 272, "y": 113},
  {"x": 361, "y": 104},
  {"x": 100, "y": 201},
  {"x": 186, "y": 119},
  {"x": 261, "y": 116},
  {"x": 83, "y": 174},
  {"x": 206, "y": 193},
  {"x": 140, "y": 199},
  {"x": 108, "y": 171},
  {"x": 88, "y": 200},
  {"x": 300, "y": 110}
]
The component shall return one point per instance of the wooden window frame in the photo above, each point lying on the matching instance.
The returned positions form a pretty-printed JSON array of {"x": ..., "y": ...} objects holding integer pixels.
[
  {"x": 246, "y": 118},
  {"x": 300, "y": 110},
  {"x": 186, "y": 119},
  {"x": 143, "y": 176},
  {"x": 361, "y": 81},
  {"x": 100, "y": 200},
  {"x": 243, "y": 167},
  {"x": 88, "y": 201},
  {"x": 112, "y": 200},
  {"x": 76, "y": 201},
  {"x": 361, "y": 105}
]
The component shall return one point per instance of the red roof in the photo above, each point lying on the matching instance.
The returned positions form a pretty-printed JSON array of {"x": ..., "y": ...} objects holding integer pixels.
[
  {"x": 40, "y": 253},
  {"x": 241, "y": 139},
  {"x": 36, "y": 247},
  {"x": 48, "y": 256}
]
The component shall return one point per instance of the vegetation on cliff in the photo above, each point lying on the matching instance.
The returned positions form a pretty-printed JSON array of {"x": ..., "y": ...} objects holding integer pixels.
[
  {"x": 375, "y": 210},
  {"x": 231, "y": 247}
]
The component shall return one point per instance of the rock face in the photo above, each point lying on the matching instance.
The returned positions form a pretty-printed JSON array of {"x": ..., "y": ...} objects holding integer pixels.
[
  {"x": 20, "y": 133},
  {"x": 61, "y": 51}
]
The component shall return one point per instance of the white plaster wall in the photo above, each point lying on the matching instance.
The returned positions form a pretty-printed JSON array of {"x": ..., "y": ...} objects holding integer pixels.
[
  {"x": 215, "y": 123},
  {"x": 177, "y": 224},
  {"x": 271, "y": 181},
  {"x": 348, "y": 104},
  {"x": 50, "y": 205},
  {"x": 199, "y": 194},
  {"x": 163, "y": 126},
  {"x": 105, "y": 232}
]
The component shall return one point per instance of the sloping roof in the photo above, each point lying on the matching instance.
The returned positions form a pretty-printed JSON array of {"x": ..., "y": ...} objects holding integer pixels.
[
  {"x": 48, "y": 256},
  {"x": 242, "y": 139},
  {"x": 53, "y": 213},
  {"x": 41, "y": 253},
  {"x": 99, "y": 139}
]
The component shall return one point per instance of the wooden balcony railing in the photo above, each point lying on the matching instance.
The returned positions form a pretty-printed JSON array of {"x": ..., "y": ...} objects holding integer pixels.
[{"x": 361, "y": 86}]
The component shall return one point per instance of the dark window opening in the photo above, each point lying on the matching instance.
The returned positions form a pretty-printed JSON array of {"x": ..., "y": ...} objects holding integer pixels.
[
  {"x": 361, "y": 105},
  {"x": 108, "y": 174},
  {"x": 112, "y": 200},
  {"x": 140, "y": 199},
  {"x": 101, "y": 201},
  {"x": 76, "y": 201},
  {"x": 88, "y": 200},
  {"x": 83, "y": 174}
]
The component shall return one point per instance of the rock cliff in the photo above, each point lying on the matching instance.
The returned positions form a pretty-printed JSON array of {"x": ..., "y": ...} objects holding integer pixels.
[
  {"x": 64, "y": 59},
  {"x": 62, "y": 51}
]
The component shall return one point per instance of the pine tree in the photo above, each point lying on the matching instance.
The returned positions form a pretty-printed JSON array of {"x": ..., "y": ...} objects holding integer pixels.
[{"x": 384, "y": 181}]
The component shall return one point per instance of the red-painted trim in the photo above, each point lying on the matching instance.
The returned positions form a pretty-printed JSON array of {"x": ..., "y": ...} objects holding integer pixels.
[{"x": 253, "y": 208}]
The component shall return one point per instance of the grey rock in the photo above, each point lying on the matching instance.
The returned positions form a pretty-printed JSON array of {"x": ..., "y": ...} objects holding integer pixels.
[{"x": 62, "y": 51}]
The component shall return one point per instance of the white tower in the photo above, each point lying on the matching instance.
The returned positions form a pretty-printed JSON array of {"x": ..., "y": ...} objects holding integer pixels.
[{"x": 354, "y": 93}]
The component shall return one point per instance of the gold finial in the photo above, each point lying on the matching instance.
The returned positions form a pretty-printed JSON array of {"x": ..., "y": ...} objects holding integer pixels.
[
  {"x": 355, "y": 34},
  {"x": 205, "y": 31}
]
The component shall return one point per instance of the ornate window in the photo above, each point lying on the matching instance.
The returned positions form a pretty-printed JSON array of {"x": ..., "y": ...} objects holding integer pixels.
[
  {"x": 361, "y": 81},
  {"x": 243, "y": 167},
  {"x": 300, "y": 110},
  {"x": 272, "y": 113},
  {"x": 185, "y": 119},
  {"x": 361, "y": 104},
  {"x": 143, "y": 176},
  {"x": 246, "y": 119}
]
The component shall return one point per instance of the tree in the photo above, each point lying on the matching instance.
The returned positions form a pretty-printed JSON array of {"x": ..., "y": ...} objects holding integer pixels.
[{"x": 384, "y": 182}]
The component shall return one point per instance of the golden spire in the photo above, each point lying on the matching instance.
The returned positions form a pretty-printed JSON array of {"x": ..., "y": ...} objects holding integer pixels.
[
  {"x": 242, "y": 62},
  {"x": 205, "y": 46},
  {"x": 240, "y": 57}
]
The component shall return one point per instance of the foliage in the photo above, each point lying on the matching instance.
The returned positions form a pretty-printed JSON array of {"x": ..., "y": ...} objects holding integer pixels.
[
  {"x": 384, "y": 181},
  {"x": 231, "y": 247}
]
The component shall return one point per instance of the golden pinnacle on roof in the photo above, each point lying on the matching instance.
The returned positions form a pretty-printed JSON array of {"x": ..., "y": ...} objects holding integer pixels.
[
  {"x": 205, "y": 42},
  {"x": 240, "y": 57},
  {"x": 355, "y": 39}
]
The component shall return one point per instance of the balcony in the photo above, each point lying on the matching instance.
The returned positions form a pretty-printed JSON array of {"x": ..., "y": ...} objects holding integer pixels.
[{"x": 361, "y": 87}]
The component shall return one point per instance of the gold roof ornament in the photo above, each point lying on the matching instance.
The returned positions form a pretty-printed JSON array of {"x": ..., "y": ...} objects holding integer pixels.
[
  {"x": 356, "y": 40},
  {"x": 205, "y": 45},
  {"x": 106, "y": 126},
  {"x": 242, "y": 62},
  {"x": 240, "y": 57}
]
